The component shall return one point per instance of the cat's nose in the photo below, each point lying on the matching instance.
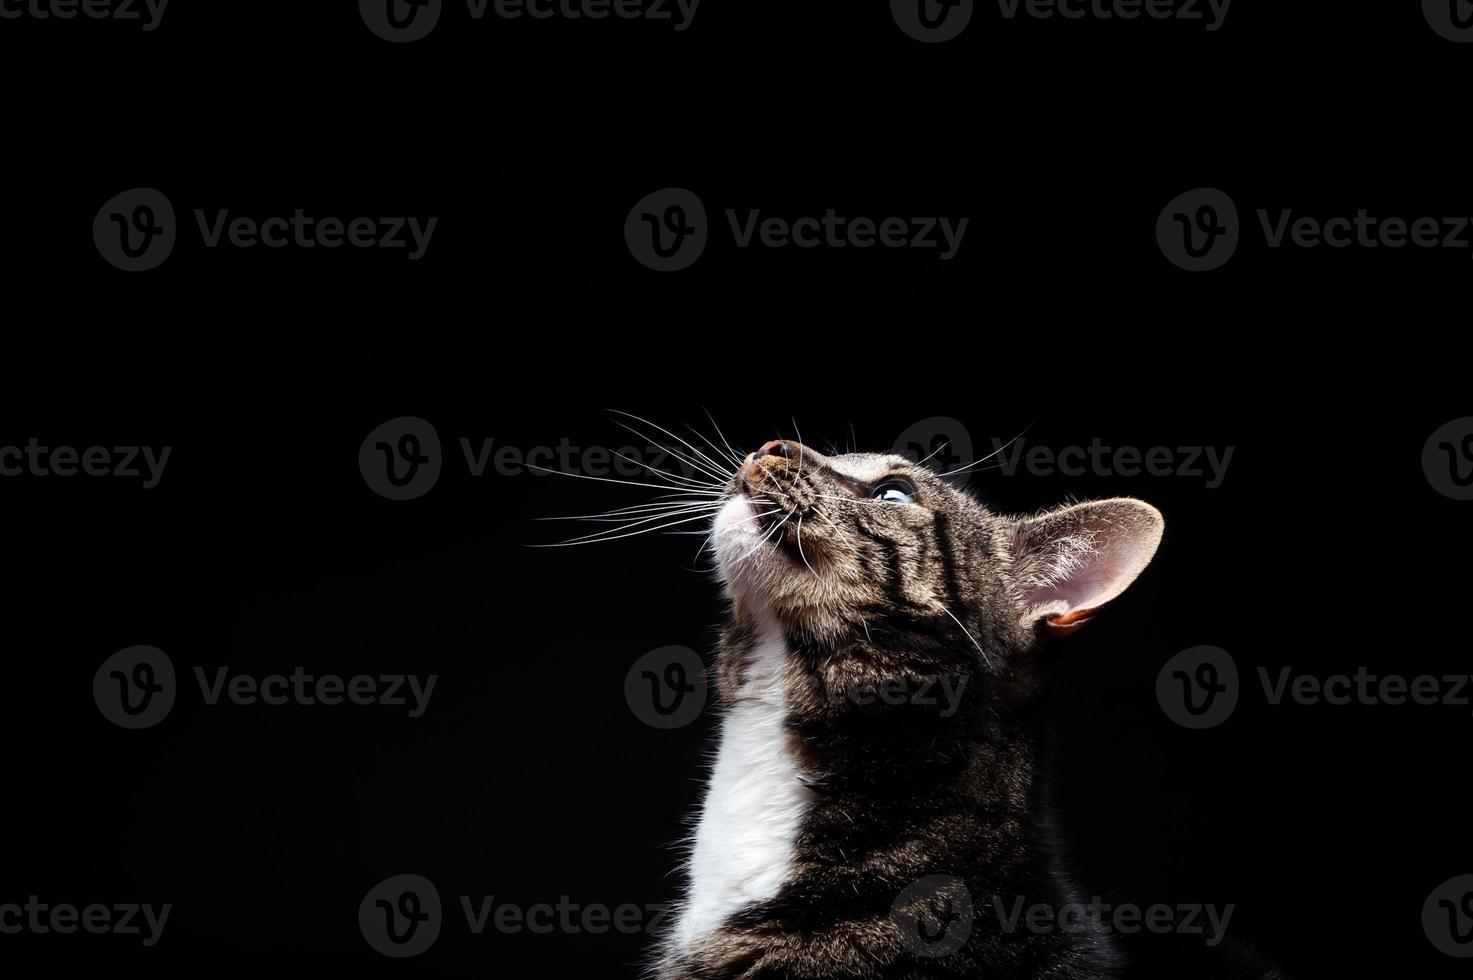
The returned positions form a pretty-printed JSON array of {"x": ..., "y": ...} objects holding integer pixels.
[
  {"x": 775, "y": 455},
  {"x": 778, "y": 447}
]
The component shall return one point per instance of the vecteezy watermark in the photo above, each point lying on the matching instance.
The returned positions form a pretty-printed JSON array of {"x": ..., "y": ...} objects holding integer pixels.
[
  {"x": 402, "y": 459},
  {"x": 135, "y": 688},
  {"x": 40, "y": 918},
  {"x": 147, "y": 13},
  {"x": 1451, "y": 19},
  {"x": 302, "y": 230},
  {"x": 944, "y": 445},
  {"x": 1447, "y": 459},
  {"x": 938, "y": 694},
  {"x": 143, "y": 463},
  {"x": 934, "y": 915},
  {"x": 1366, "y": 688},
  {"x": 1207, "y": 463},
  {"x": 136, "y": 231},
  {"x": 666, "y": 688},
  {"x": 932, "y": 21},
  {"x": 1126, "y": 918},
  {"x": 402, "y": 21},
  {"x": 667, "y": 230},
  {"x": 834, "y": 230},
  {"x": 1199, "y": 231},
  {"x": 1199, "y": 688},
  {"x": 564, "y": 917},
  {"x": 1447, "y": 916},
  {"x": 941, "y": 443},
  {"x": 1364, "y": 230},
  {"x": 402, "y": 916},
  {"x": 302, "y": 688},
  {"x": 1209, "y": 13}
]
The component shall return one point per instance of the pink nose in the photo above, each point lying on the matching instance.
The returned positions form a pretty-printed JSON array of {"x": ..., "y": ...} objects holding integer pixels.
[
  {"x": 772, "y": 455},
  {"x": 777, "y": 447}
]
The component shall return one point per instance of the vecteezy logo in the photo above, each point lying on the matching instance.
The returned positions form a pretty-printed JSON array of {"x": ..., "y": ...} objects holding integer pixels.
[
  {"x": 932, "y": 21},
  {"x": 1451, "y": 19},
  {"x": 134, "y": 688},
  {"x": 1447, "y": 916},
  {"x": 1198, "y": 688},
  {"x": 1198, "y": 231},
  {"x": 943, "y": 444},
  {"x": 666, "y": 231},
  {"x": 666, "y": 688},
  {"x": 400, "y": 916},
  {"x": 1447, "y": 459},
  {"x": 400, "y": 21},
  {"x": 934, "y": 915},
  {"x": 401, "y": 459},
  {"x": 135, "y": 230}
]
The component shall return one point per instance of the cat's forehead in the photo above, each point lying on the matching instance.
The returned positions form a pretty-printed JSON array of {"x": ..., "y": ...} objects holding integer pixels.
[{"x": 867, "y": 467}]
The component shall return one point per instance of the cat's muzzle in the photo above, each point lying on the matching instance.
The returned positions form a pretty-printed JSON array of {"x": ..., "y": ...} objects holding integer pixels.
[{"x": 780, "y": 473}]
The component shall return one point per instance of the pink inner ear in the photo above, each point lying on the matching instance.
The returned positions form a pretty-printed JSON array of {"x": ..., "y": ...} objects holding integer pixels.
[
  {"x": 1103, "y": 575},
  {"x": 1081, "y": 557}
]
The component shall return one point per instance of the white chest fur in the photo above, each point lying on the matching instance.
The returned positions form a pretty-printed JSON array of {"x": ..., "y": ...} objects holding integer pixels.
[{"x": 749, "y": 821}]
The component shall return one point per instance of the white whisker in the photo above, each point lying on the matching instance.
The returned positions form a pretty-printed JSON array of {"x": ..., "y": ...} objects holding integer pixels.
[
  {"x": 985, "y": 658},
  {"x": 736, "y": 457},
  {"x": 800, "y": 546},
  {"x": 673, "y": 477},
  {"x": 721, "y": 456},
  {"x": 715, "y": 470},
  {"x": 612, "y": 536},
  {"x": 944, "y": 444},
  {"x": 701, "y": 468},
  {"x": 711, "y": 507},
  {"x": 799, "y": 434},
  {"x": 714, "y": 491},
  {"x": 963, "y": 469}
]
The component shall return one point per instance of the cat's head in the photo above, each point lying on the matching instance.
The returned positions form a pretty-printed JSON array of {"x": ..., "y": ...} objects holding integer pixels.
[{"x": 834, "y": 545}]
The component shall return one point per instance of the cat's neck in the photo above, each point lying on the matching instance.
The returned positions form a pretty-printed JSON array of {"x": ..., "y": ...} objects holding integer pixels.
[
  {"x": 963, "y": 777},
  {"x": 824, "y": 805}
]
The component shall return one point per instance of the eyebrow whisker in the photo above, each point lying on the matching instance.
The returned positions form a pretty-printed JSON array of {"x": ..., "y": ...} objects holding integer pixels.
[
  {"x": 933, "y": 452},
  {"x": 963, "y": 469}
]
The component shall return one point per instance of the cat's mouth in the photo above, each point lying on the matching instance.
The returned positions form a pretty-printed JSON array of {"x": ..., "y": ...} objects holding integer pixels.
[
  {"x": 771, "y": 510},
  {"x": 749, "y": 526}
]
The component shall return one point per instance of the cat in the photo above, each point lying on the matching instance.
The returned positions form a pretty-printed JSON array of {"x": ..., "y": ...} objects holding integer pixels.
[{"x": 883, "y": 671}]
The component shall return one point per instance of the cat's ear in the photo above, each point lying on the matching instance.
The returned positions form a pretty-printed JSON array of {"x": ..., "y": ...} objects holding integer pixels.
[{"x": 1069, "y": 562}]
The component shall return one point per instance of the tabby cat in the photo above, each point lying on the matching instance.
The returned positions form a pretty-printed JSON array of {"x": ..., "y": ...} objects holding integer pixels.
[{"x": 882, "y": 674}]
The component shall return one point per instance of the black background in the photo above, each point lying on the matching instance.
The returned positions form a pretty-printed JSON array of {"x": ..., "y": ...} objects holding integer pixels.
[{"x": 530, "y": 778}]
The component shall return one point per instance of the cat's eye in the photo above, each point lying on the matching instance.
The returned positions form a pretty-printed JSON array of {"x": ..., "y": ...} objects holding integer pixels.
[{"x": 895, "y": 492}]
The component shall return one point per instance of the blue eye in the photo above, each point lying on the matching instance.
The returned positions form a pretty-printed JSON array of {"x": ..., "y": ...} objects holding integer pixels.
[{"x": 895, "y": 492}]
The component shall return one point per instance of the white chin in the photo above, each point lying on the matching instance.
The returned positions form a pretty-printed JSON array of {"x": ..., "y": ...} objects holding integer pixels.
[{"x": 739, "y": 541}]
